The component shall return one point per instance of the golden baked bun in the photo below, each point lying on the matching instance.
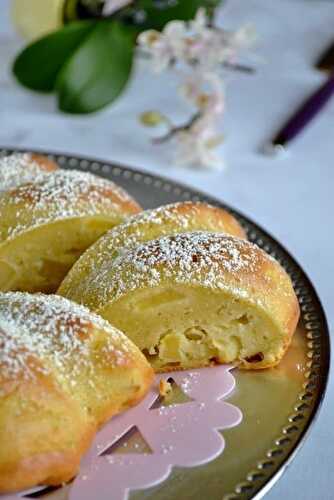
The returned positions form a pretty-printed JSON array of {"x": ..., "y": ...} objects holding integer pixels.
[
  {"x": 193, "y": 299},
  {"x": 46, "y": 225},
  {"x": 19, "y": 168},
  {"x": 166, "y": 220},
  {"x": 63, "y": 372}
]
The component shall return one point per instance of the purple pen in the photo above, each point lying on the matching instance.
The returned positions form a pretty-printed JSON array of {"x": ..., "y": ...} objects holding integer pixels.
[{"x": 308, "y": 110}]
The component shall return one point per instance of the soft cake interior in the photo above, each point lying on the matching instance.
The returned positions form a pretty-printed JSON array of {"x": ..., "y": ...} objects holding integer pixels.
[
  {"x": 191, "y": 326},
  {"x": 39, "y": 259}
]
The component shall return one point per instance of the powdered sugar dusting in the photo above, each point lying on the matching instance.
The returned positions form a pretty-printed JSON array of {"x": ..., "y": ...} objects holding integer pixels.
[
  {"x": 52, "y": 330},
  {"x": 18, "y": 169},
  {"x": 189, "y": 258},
  {"x": 130, "y": 233},
  {"x": 61, "y": 195},
  {"x": 166, "y": 213},
  {"x": 169, "y": 219}
]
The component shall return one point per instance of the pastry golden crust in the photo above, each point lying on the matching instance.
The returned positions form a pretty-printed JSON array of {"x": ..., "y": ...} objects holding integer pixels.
[
  {"x": 63, "y": 372},
  {"x": 192, "y": 299},
  {"x": 44, "y": 162},
  {"x": 19, "y": 168},
  {"x": 46, "y": 225},
  {"x": 169, "y": 219}
]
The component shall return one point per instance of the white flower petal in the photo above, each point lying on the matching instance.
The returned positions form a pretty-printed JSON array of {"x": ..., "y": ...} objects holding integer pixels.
[
  {"x": 174, "y": 29},
  {"x": 194, "y": 148},
  {"x": 200, "y": 21},
  {"x": 244, "y": 37},
  {"x": 149, "y": 38}
]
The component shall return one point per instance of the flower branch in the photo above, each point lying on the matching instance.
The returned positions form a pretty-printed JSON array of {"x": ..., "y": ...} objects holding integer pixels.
[{"x": 201, "y": 50}]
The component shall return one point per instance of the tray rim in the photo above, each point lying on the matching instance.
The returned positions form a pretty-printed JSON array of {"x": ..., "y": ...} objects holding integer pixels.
[{"x": 262, "y": 487}]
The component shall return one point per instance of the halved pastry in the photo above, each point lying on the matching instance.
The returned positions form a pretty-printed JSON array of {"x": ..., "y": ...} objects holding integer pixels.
[
  {"x": 63, "y": 372},
  {"x": 148, "y": 225},
  {"x": 194, "y": 299},
  {"x": 47, "y": 224},
  {"x": 19, "y": 168}
]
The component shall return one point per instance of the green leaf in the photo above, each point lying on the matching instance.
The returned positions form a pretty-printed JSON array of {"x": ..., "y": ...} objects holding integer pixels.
[
  {"x": 183, "y": 10},
  {"x": 99, "y": 69},
  {"x": 157, "y": 14},
  {"x": 38, "y": 65}
]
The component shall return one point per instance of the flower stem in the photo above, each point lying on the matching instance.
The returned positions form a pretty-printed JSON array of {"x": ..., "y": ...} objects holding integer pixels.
[
  {"x": 174, "y": 130},
  {"x": 239, "y": 67}
]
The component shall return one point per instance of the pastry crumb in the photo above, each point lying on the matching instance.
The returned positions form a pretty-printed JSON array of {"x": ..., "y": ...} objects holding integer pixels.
[{"x": 164, "y": 388}]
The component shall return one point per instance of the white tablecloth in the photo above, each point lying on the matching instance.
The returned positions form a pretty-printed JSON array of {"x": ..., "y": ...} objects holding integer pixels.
[{"x": 291, "y": 197}]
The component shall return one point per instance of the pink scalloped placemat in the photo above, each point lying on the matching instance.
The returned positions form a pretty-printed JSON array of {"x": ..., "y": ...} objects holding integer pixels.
[{"x": 182, "y": 434}]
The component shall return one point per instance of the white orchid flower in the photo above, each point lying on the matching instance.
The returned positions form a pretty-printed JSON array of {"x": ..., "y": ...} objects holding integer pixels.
[{"x": 201, "y": 50}]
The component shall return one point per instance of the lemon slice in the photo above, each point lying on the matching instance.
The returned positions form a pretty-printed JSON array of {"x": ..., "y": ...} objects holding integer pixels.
[{"x": 35, "y": 18}]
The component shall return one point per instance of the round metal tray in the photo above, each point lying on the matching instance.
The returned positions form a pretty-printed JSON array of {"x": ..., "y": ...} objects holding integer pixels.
[{"x": 279, "y": 405}]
